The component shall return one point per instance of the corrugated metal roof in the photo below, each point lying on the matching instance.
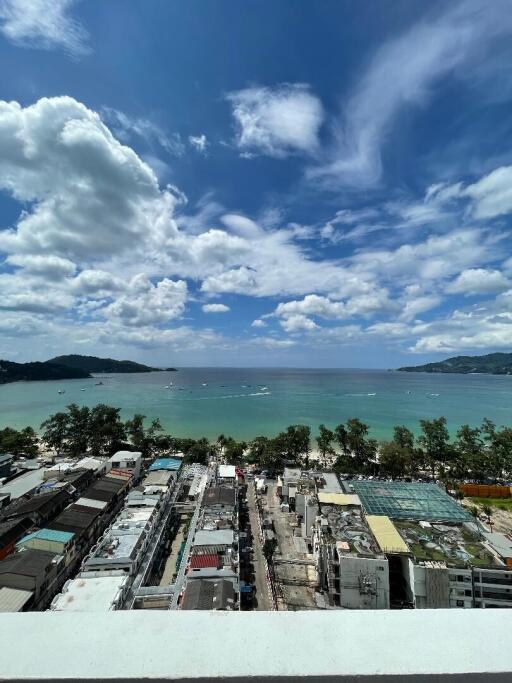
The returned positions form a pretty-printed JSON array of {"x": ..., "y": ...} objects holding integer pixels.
[
  {"x": 386, "y": 534},
  {"x": 500, "y": 543},
  {"x": 172, "y": 464},
  {"x": 13, "y": 599},
  {"x": 204, "y": 561},
  {"x": 338, "y": 498},
  {"x": 91, "y": 503},
  {"x": 49, "y": 535},
  {"x": 217, "y": 537}
]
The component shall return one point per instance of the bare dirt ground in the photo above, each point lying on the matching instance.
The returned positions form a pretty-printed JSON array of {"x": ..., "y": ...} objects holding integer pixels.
[{"x": 501, "y": 519}]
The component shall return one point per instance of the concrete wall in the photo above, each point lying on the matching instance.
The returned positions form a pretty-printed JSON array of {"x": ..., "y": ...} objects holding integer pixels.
[{"x": 364, "y": 582}]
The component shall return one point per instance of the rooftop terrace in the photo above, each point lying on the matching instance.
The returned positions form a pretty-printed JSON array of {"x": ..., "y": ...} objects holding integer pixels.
[{"x": 455, "y": 545}]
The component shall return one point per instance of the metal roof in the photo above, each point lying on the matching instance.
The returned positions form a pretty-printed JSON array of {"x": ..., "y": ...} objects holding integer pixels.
[
  {"x": 24, "y": 483},
  {"x": 338, "y": 498},
  {"x": 172, "y": 464},
  {"x": 219, "y": 495},
  {"x": 208, "y": 594},
  {"x": 92, "y": 503},
  {"x": 501, "y": 543},
  {"x": 409, "y": 500},
  {"x": 385, "y": 533},
  {"x": 216, "y": 537},
  {"x": 13, "y": 599},
  {"x": 28, "y": 563},
  {"x": 204, "y": 561},
  {"x": 49, "y": 535}
]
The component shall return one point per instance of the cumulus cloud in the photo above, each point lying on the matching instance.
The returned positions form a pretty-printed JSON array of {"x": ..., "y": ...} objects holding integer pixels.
[
  {"x": 50, "y": 267},
  {"x": 215, "y": 308},
  {"x": 277, "y": 121},
  {"x": 148, "y": 304},
  {"x": 479, "y": 281},
  {"x": 298, "y": 323},
  {"x": 43, "y": 24},
  {"x": 89, "y": 194}
]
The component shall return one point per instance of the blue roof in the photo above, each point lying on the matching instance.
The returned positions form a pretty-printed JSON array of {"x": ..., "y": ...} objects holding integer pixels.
[
  {"x": 172, "y": 464},
  {"x": 48, "y": 535}
]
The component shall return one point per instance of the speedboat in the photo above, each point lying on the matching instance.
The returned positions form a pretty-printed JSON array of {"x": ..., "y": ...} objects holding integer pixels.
[{"x": 61, "y": 391}]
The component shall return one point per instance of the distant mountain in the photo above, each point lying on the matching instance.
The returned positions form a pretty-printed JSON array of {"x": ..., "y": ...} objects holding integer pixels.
[
  {"x": 99, "y": 365},
  {"x": 491, "y": 364},
  {"x": 31, "y": 372}
]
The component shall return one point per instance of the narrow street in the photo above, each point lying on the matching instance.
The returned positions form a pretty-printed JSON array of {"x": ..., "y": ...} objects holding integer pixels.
[
  {"x": 170, "y": 564},
  {"x": 260, "y": 579}
]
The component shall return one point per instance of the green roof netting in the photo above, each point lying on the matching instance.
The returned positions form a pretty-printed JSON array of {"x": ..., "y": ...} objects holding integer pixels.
[{"x": 402, "y": 500}]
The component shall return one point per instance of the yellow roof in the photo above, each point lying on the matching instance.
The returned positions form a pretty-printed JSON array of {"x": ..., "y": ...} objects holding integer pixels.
[
  {"x": 386, "y": 535},
  {"x": 338, "y": 498}
]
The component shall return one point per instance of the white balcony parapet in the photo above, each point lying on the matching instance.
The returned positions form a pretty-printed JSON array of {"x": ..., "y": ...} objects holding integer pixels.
[{"x": 327, "y": 645}]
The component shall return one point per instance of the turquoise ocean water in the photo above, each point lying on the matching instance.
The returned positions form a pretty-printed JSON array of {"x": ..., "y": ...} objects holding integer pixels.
[{"x": 246, "y": 402}]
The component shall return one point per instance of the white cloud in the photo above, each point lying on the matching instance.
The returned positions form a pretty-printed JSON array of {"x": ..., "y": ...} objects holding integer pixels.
[
  {"x": 43, "y": 24},
  {"x": 492, "y": 194},
  {"x": 147, "y": 304},
  {"x": 97, "y": 283},
  {"x": 198, "y": 142},
  {"x": 258, "y": 323},
  {"x": 401, "y": 75},
  {"x": 272, "y": 343},
  {"x": 215, "y": 308},
  {"x": 124, "y": 126},
  {"x": 277, "y": 121},
  {"x": 298, "y": 323},
  {"x": 312, "y": 305},
  {"x": 479, "y": 281},
  {"x": 49, "y": 267},
  {"x": 90, "y": 196}
]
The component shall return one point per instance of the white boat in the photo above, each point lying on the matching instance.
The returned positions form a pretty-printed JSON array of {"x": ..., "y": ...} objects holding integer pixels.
[
  {"x": 374, "y": 394},
  {"x": 82, "y": 389},
  {"x": 204, "y": 384},
  {"x": 61, "y": 391}
]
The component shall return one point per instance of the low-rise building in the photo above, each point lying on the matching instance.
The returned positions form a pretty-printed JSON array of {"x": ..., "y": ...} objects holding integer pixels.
[
  {"x": 14, "y": 599},
  {"x": 38, "y": 571},
  {"x": 92, "y": 592},
  {"x": 126, "y": 460},
  {"x": 53, "y": 541},
  {"x": 209, "y": 594}
]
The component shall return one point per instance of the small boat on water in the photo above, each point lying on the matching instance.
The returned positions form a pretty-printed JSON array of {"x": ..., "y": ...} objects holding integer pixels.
[
  {"x": 205, "y": 384},
  {"x": 374, "y": 394},
  {"x": 82, "y": 389},
  {"x": 98, "y": 384},
  {"x": 61, "y": 391}
]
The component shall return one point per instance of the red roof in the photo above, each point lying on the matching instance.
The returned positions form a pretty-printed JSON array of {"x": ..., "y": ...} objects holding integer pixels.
[{"x": 204, "y": 562}]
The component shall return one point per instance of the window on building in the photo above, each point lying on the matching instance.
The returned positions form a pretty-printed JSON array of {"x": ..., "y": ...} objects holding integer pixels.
[{"x": 460, "y": 603}]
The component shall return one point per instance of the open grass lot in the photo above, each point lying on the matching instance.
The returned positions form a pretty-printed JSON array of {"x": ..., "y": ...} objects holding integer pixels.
[{"x": 500, "y": 503}]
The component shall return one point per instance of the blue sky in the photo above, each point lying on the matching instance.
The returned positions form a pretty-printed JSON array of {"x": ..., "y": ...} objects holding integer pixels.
[{"x": 255, "y": 183}]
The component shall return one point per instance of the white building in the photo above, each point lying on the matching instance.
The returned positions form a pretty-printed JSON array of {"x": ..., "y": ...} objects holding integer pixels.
[
  {"x": 126, "y": 460},
  {"x": 92, "y": 592}
]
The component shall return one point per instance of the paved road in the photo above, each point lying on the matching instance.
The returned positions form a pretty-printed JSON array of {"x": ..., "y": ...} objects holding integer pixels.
[{"x": 260, "y": 579}]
